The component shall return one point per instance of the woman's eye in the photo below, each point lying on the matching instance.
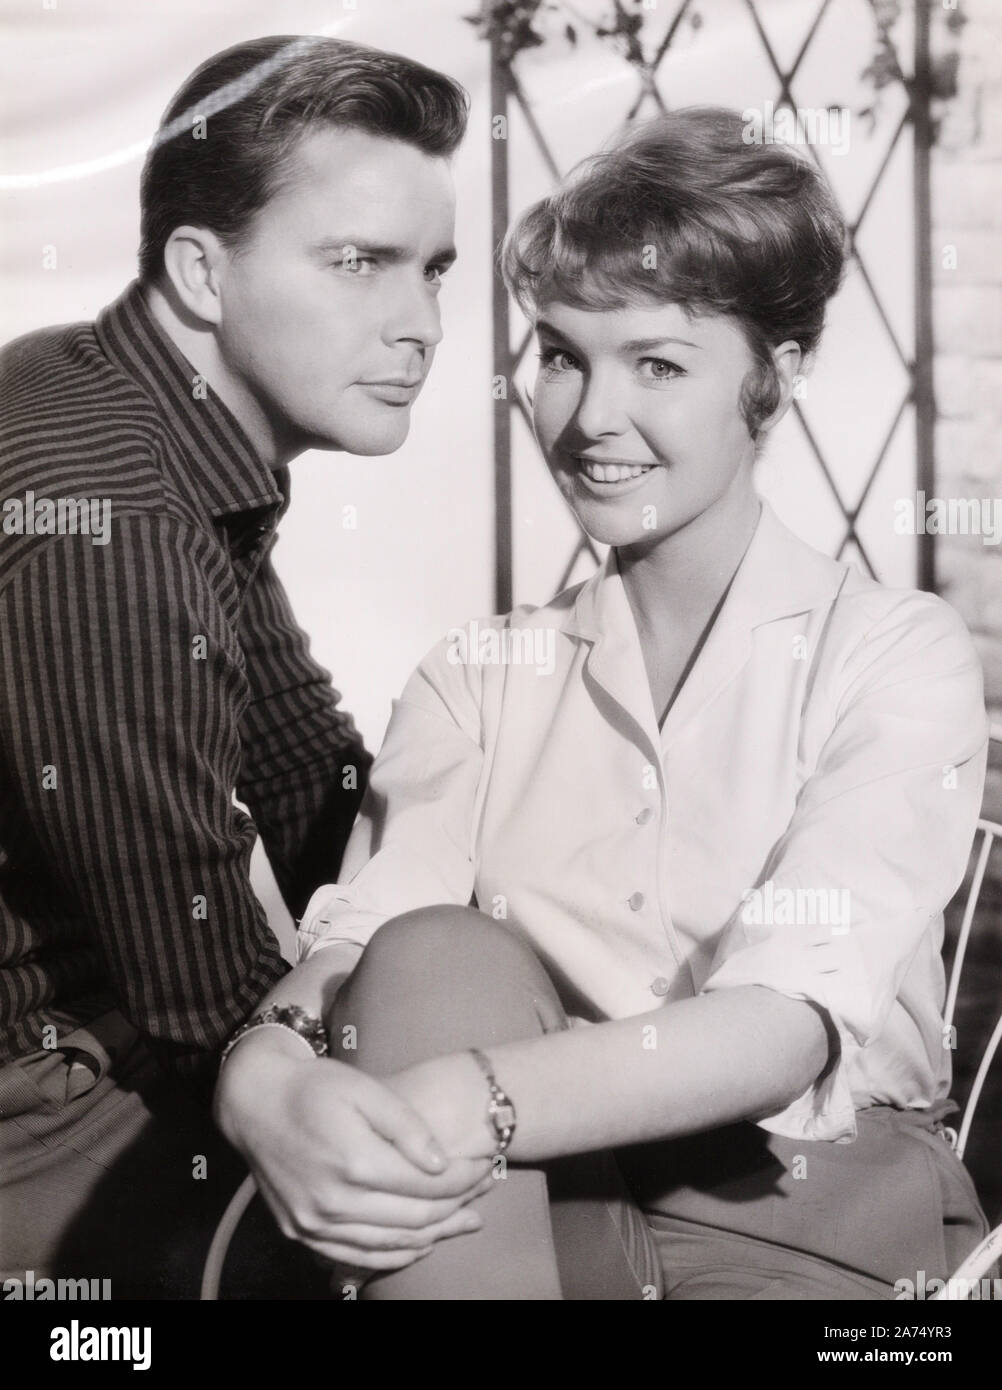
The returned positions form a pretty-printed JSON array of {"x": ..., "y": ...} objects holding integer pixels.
[
  {"x": 433, "y": 273},
  {"x": 557, "y": 360},
  {"x": 660, "y": 369}
]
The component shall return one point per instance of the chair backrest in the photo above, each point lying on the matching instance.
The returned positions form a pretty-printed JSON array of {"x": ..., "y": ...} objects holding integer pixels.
[{"x": 989, "y": 833}]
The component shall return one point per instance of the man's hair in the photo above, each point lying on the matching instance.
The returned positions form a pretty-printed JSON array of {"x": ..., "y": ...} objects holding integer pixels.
[
  {"x": 682, "y": 210},
  {"x": 257, "y": 100}
]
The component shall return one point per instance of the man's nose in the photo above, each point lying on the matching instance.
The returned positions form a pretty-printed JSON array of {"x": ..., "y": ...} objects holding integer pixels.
[{"x": 416, "y": 317}]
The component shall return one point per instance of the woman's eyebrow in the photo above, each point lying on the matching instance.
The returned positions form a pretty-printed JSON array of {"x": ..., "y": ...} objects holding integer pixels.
[
  {"x": 543, "y": 327},
  {"x": 646, "y": 344},
  {"x": 631, "y": 346}
]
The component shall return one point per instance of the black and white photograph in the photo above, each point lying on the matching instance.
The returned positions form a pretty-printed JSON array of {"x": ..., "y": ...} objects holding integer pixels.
[{"x": 500, "y": 668}]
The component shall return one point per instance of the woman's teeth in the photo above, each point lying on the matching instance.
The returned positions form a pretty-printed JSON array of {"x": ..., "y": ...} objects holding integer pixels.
[{"x": 612, "y": 472}]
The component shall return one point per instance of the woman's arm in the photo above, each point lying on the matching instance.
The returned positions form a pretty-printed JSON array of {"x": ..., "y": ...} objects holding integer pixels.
[{"x": 684, "y": 1067}]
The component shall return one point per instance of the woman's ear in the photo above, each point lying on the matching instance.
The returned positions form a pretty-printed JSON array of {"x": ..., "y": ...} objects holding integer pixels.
[
  {"x": 786, "y": 362},
  {"x": 192, "y": 258}
]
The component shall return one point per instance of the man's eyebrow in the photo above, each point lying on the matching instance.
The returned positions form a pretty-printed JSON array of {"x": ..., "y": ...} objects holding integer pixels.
[{"x": 341, "y": 246}]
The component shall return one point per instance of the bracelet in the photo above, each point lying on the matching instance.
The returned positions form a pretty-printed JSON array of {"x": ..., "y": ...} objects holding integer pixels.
[
  {"x": 500, "y": 1110},
  {"x": 293, "y": 1019}
]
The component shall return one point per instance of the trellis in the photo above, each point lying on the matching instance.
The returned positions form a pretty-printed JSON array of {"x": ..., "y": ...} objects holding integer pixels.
[{"x": 507, "y": 92}]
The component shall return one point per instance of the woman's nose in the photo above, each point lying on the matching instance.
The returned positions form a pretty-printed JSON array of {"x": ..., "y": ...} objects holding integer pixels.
[{"x": 600, "y": 410}]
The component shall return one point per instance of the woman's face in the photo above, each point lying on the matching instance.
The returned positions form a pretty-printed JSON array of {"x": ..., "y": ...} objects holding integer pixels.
[{"x": 637, "y": 413}]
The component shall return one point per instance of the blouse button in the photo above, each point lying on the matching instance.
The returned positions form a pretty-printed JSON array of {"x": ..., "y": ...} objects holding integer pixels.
[
  {"x": 642, "y": 817},
  {"x": 636, "y": 901},
  {"x": 660, "y": 986}
]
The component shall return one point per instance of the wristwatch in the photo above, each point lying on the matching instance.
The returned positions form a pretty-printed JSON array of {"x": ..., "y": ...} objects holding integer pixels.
[{"x": 500, "y": 1110}]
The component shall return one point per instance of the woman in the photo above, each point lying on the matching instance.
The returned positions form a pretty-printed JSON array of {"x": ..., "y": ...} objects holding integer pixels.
[{"x": 709, "y": 806}]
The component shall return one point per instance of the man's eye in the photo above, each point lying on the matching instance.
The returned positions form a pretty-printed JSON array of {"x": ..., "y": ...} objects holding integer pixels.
[
  {"x": 433, "y": 273},
  {"x": 557, "y": 360},
  {"x": 355, "y": 264}
]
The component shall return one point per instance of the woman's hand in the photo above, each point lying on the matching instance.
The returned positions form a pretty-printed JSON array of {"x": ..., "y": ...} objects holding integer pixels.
[
  {"x": 348, "y": 1167},
  {"x": 451, "y": 1095}
]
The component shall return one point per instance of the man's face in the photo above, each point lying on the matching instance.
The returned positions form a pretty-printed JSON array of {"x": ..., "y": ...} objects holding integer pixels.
[
  {"x": 637, "y": 412},
  {"x": 330, "y": 309}
]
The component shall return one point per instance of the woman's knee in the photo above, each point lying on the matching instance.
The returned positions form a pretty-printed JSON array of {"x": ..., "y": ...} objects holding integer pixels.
[
  {"x": 447, "y": 938},
  {"x": 448, "y": 976}
]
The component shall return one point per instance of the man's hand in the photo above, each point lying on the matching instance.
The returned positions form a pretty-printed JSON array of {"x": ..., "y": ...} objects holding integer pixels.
[{"x": 346, "y": 1165}]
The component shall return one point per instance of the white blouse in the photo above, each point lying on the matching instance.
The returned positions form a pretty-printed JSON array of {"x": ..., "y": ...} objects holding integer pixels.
[{"x": 799, "y": 822}]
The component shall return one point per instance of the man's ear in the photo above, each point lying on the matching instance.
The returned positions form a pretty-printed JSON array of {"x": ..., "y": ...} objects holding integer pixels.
[
  {"x": 786, "y": 359},
  {"x": 192, "y": 257}
]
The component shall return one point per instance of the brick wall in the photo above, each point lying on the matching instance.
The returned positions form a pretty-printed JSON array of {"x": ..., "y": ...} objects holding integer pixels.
[{"x": 967, "y": 321}]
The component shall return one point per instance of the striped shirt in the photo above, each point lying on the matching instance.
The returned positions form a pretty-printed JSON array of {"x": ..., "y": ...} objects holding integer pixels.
[{"x": 150, "y": 666}]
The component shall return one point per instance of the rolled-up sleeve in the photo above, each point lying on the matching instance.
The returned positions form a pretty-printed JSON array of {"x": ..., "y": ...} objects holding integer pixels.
[
  {"x": 885, "y": 823},
  {"x": 411, "y": 845}
]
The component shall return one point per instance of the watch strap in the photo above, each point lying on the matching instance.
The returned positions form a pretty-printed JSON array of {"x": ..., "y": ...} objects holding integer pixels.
[{"x": 500, "y": 1109}]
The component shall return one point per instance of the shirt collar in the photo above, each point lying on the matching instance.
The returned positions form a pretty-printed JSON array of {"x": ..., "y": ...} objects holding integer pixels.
[
  {"x": 221, "y": 463},
  {"x": 779, "y": 576}
]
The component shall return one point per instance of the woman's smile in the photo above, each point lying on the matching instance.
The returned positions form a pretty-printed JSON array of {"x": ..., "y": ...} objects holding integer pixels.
[{"x": 604, "y": 477}]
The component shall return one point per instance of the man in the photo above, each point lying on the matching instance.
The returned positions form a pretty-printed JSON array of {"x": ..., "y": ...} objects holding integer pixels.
[{"x": 297, "y": 215}]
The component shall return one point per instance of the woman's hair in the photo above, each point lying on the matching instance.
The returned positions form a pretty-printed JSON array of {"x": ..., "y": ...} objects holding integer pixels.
[
  {"x": 254, "y": 102},
  {"x": 683, "y": 210}
]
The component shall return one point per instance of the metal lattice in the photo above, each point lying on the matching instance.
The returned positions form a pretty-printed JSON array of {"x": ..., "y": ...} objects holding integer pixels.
[{"x": 915, "y": 386}]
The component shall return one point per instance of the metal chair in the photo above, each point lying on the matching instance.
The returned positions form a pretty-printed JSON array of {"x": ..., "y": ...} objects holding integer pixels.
[{"x": 966, "y": 1279}]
